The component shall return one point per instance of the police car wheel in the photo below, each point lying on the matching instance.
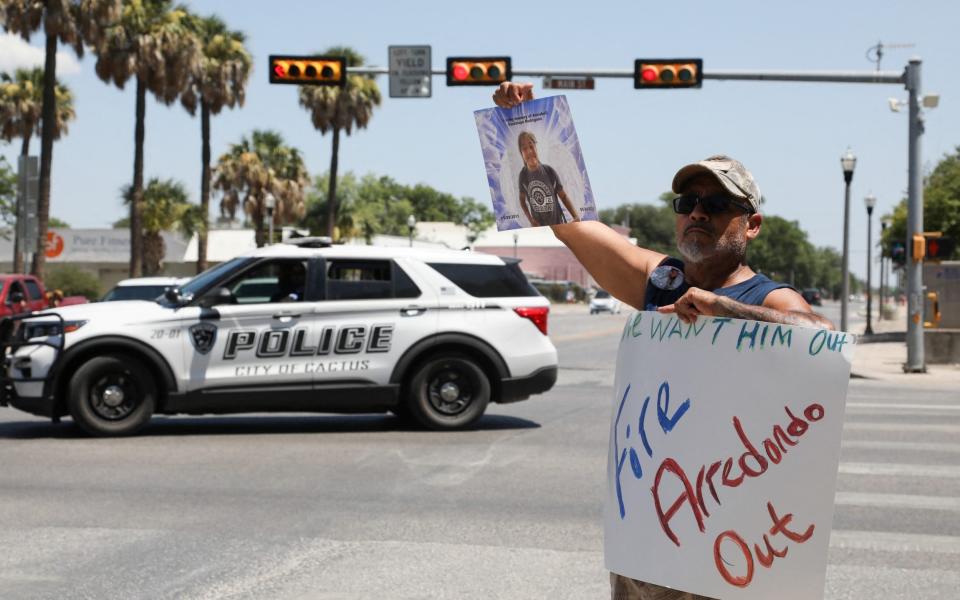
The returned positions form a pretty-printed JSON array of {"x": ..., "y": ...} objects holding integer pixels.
[
  {"x": 111, "y": 395},
  {"x": 448, "y": 392}
]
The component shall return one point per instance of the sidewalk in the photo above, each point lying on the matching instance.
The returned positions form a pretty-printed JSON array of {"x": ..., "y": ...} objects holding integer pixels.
[
  {"x": 871, "y": 360},
  {"x": 884, "y": 360}
]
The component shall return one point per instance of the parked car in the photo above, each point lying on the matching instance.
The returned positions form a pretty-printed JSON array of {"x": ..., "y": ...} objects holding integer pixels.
[
  {"x": 430, "y": 335},
  {"x": 812, "y": 296},
  {"x": 25, "y": 293},
  {"x": 142, "y": 288},
  {"x": 602, "y": 301}
]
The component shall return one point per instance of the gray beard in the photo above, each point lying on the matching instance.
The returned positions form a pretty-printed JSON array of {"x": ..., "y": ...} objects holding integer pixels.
[{"x": 695, "y": 252}]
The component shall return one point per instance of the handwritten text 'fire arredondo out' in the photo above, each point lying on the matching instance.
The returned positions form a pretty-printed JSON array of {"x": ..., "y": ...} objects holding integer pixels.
[{"x": 730, "y": 471}]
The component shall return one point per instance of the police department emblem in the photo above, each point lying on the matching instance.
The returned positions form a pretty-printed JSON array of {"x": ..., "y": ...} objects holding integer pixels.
[{"x": 203, "y": 336}]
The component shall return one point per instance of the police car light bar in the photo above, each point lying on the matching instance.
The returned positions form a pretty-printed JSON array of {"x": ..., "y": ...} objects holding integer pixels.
[{"x": 311, "y": 242}]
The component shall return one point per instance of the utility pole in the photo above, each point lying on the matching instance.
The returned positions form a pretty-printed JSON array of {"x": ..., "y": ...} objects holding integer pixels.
[{"x": 914, "y": 265}]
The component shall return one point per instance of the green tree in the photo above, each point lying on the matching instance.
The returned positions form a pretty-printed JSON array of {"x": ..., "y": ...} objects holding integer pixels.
[
  {"x": 152, "y": 42},
  {"x": 941, "y": 205},
  {"x": 829, "y": 271},
  {"x": 653, "y": 225},
  {"x": 8, "y": 196},
  {"x": 259, "y": 165},
  {"x": 59, "y": 223},
  {"x": 782, "y": 252},
  {"x": 166, "y": 207},
  {"x": 21, "y": 106},
  {"x": 373, "y": 205},
  {"x": 218, "y": 83},
  {"x": 72, "y": 22},
  {"x": 334, "y": 109},
  {"x": 476, "y": 217}
]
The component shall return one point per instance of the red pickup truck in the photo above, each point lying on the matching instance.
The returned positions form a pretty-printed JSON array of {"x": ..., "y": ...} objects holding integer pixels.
[{"x": 25, "y": 293}]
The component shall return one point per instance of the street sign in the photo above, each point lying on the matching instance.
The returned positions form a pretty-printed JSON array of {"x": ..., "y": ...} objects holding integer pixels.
[
  {"x": 410, "y": 71},
  {"x": 568, "y": 83},
  {"x": 28, "y": 193}
]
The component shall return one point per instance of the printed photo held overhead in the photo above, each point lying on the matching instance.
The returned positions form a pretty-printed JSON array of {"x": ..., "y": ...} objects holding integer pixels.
[{"x": 534, "y": 165}]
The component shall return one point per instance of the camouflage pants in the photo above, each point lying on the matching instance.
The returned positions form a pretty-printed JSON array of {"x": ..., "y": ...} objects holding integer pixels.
[{"x": 624, "y": 588}]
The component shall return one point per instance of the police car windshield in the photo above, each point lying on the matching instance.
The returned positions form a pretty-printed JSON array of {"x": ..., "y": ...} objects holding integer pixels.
[{"x": 204, "y": 280}]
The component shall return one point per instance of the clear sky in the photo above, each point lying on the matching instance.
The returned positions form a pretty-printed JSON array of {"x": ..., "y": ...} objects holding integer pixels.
[{"x": 790, "y": 135}]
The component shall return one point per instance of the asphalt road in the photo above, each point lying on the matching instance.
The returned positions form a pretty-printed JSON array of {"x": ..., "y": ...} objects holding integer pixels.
[{"x": 320, "y": 506}]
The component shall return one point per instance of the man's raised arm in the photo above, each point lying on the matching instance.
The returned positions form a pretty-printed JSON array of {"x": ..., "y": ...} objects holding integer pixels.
[{"x": 617, "y": 265}]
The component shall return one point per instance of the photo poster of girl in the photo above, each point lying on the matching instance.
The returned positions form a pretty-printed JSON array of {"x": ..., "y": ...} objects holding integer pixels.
[{"x": 534, "y": 165}]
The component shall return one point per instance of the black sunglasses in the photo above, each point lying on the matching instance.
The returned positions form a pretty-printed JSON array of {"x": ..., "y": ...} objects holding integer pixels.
[{"x": 712, "y": 205}]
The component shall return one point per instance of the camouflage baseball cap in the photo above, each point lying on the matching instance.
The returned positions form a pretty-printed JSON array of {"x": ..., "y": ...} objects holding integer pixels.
[{"x": 731, "y": 174}]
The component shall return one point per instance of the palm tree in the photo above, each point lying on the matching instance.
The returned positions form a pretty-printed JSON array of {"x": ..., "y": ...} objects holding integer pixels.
[
  {"x": 21, "y": 106},
  {"x": 73, "y": 22},
  {"x": 259, "y": 165},
  {"x": 165, "y": 208},
  {"x": 334, "y": 108},
  {"x": 152, "y": 42},
  {"x": 219, "y": 82}
]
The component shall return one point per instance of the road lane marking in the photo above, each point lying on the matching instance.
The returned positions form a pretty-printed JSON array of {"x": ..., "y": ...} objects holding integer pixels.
[
  {"x": 885, "y": 541},
  {"x": 900, "y": 470},
  {"x": 907, "y": 501},
  {"x": 587, "y": 334},
  {"x": 905, "y": 405},
  {"x": 914, "y": 427},
  {"x": 908, "y": 446}
]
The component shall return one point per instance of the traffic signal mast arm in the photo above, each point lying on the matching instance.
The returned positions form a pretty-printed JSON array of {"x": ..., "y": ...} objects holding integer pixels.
[{"x": 887, "y": 77}]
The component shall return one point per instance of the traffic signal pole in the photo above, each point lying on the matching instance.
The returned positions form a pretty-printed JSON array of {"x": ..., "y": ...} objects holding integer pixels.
[
  {"x": 909, "y": 78},
  {"x": 914, "y": 267}
]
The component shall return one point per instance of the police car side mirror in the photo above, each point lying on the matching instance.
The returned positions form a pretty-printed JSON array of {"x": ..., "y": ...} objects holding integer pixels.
[
  {"x": 221, "y": 295},
  {"x": 172, "y": 295}
]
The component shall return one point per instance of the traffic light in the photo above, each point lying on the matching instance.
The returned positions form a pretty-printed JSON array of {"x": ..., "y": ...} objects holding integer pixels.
[
  {"x": 308, "y": 70},
  {"x": 919, "y": 247},
  {"x": 898, "y": 253},
  {"x": 668, "y": 73},
  {"x": 476, "y": 70},
  {"x": 939, "y": 247}
]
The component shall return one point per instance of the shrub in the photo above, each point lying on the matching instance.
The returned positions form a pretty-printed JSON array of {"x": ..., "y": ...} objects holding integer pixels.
[{"x": 73, "y": 281}]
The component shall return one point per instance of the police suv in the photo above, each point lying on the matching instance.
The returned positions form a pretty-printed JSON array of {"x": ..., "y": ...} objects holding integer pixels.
[{"x": 429, "y": 334}]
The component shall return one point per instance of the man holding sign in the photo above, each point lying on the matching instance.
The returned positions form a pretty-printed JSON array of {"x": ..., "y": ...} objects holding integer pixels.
[{"x": 717, "y": 215}]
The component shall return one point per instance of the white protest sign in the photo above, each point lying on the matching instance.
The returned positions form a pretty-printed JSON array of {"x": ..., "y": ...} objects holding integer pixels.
[{"x": 724, "y": 447}]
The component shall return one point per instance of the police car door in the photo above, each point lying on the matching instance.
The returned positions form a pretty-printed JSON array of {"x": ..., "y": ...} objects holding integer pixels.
[
  {"x": 372, "y": 311},
  {"x": 254, "y": 335}
]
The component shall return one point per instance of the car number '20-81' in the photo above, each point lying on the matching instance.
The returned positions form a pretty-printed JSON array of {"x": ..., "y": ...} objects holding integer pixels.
[{"x": 275, "y": 343}]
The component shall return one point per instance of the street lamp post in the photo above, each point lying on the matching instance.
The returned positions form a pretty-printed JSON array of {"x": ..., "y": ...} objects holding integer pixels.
[
  {"x": 870, "y": 201},
  {"x": 848, "y": 161},
  {"x": 270, "y": 201},
  {"x": 411, "y": 225},
  {"x": 884, "y": 222}
]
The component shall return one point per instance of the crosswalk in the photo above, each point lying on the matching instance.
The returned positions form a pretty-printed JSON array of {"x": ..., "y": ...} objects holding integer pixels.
[{"x": 897, "y": 519}]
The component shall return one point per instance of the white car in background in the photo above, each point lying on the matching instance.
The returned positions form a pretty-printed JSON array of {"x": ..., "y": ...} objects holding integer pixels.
[
  {"x": 602, "y": 301},
  {"x": 142, "y": 288},
  {"x": 434, "y": 335}
]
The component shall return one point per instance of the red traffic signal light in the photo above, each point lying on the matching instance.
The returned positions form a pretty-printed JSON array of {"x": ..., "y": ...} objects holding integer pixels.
[
  {"x": 939, "y": 247},
  {"x": 308, "y": 70},
  {"x": 668, "y": 73},
  {"x": 475, "y": 70}
]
